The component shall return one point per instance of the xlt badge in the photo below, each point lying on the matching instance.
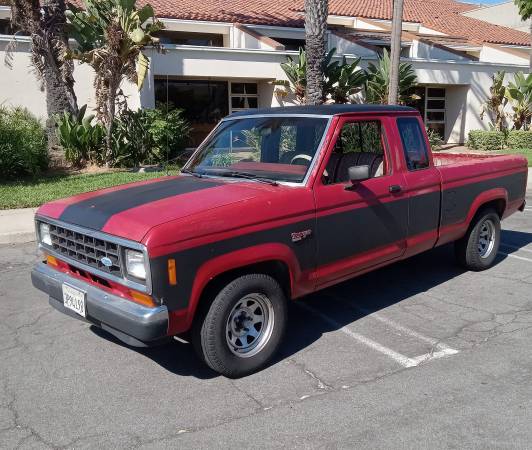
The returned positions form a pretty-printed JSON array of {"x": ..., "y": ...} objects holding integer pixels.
[{"x": 300, "y": 235}]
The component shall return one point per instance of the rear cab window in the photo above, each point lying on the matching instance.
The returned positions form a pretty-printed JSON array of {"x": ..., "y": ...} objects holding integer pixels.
[{"x": 414, "y": 144}]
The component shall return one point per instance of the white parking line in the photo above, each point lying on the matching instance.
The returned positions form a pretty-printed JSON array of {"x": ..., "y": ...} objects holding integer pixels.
[
  {"x": 522, "y": 258},
  {"x": 405, "y": 361},
  {"x": 391, "y": 323}
]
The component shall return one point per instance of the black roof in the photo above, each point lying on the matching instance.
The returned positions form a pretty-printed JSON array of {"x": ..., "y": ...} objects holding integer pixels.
[{"x": 325, "y": 110}]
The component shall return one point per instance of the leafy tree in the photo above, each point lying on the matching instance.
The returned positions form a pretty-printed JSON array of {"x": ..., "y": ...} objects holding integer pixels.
[
  {"x": 519, "y": 95},
  {"x": 378, "y": 84},
  {"x": 496, "y": 102},
  {"x": 525, "y": 10},
  {"x": 316, "y": 12},
  {"x": 110, "y": 36},
  {"x": 45, "y": 22}
]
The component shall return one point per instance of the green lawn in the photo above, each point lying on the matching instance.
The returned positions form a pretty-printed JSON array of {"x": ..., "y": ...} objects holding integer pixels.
[
  {"x": 523, "y": 151},
  {"x": 35, "y": 192}
]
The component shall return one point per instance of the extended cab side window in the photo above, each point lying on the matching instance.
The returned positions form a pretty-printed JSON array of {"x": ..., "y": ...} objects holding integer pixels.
[
  {"x": 413, "y": 141},
  {"x": 359, "y": 143}
]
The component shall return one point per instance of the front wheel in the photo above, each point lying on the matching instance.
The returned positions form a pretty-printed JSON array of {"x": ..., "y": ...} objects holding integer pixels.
[
  {"x": 478, "y": 248},
  {"x": 243, "y": 326}
]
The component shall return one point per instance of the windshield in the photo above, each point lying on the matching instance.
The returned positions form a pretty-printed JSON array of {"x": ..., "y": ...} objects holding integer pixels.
[{"x": 273, "y": 148}]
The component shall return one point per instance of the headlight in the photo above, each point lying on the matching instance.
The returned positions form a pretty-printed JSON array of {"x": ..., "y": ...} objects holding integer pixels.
[
  {"x": 44, "y": 234},
  {"x": 135, "y": 264}
]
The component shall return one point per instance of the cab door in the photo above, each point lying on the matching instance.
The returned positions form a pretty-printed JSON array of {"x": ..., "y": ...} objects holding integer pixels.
[
  {"x": 365, "y": 225},
  {"x": 423, "y": 185}
]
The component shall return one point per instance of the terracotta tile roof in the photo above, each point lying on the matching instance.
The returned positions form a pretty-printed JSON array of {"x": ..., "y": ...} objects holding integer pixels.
[{"x": 440, "y": 15}]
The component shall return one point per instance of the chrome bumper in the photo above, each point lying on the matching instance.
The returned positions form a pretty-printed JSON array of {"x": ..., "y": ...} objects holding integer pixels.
[{"x": 130, "y": 322}]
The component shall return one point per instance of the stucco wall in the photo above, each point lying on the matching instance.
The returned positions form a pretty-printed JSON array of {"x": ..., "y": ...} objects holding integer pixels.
[
  {"x": 19, "y": 86},
  {"x": 505, "y": 14},
  {"x": 467, "y": 83}
]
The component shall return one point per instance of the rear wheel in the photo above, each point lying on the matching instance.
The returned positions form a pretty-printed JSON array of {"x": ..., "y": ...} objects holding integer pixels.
[
  {"x": 478, "y": 248},
  {"x": 243, "y": 327}
]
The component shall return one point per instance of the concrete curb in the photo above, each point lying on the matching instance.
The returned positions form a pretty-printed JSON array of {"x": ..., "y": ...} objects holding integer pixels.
[{"x": 16, "y": 226}]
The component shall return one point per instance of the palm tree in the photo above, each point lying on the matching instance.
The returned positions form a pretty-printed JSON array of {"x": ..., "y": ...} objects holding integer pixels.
[
  {"x": 45, "y": 22},
  {"x": 397, "y": 28},
  {"x": 525, "y": 10},
  {"x": 111, "y": 35},
  {"x": 316, "y": 12}
]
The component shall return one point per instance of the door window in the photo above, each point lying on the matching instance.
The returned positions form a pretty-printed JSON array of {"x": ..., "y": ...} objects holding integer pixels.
[{"x": 359, "y": 143}]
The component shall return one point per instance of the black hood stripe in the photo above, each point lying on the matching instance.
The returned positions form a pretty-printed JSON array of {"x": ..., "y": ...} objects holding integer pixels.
[{"x": 96, "y": 211}]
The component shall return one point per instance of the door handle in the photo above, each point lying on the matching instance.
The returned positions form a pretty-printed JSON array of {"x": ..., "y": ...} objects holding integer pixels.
[{"x": 395, "y": 188}]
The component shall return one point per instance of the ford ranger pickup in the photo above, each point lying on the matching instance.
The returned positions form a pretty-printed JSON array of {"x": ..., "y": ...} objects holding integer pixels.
[{"x": 274, "y": 204}]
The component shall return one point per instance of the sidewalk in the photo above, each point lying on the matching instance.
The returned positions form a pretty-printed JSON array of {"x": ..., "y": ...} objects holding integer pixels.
[{"x": 16, "y": 225}]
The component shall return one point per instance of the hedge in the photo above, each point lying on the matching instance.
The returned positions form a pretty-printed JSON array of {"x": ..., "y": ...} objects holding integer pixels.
[
  {"x": 519, "y": 139},
  {"x": 22, "y": 144},
  {"x": 486, "y": 140},
  {"x": 497, "y": 140}
]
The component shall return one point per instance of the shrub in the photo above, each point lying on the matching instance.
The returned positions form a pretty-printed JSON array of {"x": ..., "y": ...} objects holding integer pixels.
[
  {"x": 81, "y": 140},
  {"x": 520, "y": 139},
  {"x": 147, "y": 136},
  {"x": 486, "y": 140},
  {"x": 435, "y": 140},
  {"x": 22, "y": 143}
]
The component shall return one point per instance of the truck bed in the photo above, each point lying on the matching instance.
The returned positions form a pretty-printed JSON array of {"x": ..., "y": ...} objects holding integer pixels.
[{"x": 469, "y": 179}]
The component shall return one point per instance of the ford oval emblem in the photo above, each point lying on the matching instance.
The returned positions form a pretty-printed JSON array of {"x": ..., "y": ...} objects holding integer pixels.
[{"x": 106, "y": 261}]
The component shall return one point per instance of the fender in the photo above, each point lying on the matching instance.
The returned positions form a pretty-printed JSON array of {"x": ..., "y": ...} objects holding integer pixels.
[
  {"x": 456, "y": 231},
  {"x": 181, "y": 320}
]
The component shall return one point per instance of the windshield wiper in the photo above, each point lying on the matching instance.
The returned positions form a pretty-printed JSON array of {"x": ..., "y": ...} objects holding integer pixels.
[
  {"x": 250, "y": 176},
  {"x": 191, "y": 172}
]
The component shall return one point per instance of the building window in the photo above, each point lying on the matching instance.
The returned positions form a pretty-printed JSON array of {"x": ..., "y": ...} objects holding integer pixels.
[
  {"x": 244, "y": 96},
  {"x": 291, "y": 44},
  {"x": 435, "y": 110},
  {"x": 430, "y": 103},
  {"x": 185, "y": 38},
  {"x": 204, "y": 103}
]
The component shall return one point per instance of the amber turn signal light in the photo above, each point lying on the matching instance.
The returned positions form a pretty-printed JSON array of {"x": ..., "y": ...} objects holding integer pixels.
[
  {"x": 172, "y": 277},
  {"x": 51, "y": 260},
  {"x": 141, "y": 298}
]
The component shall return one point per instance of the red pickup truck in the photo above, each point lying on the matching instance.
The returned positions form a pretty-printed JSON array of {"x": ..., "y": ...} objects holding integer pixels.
[{"x": 275, "y": 204}]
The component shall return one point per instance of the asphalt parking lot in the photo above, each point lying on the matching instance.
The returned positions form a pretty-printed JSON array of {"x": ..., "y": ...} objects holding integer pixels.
[{"x": 417, "y": 355}]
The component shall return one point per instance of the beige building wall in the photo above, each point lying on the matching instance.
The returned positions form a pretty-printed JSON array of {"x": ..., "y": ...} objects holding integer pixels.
[
  {"x": 505, "y": 14},
  {"x": 19, "y": 86}
]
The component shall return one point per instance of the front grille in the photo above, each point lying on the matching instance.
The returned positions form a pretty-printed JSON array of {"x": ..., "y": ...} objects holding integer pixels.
[{"x": 86, "y": 249}]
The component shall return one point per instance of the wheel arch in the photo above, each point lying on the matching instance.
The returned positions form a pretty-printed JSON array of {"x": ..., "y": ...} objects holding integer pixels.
[
  {"x": 494, "y": 198},
  {"x": 276, "y": 260}
]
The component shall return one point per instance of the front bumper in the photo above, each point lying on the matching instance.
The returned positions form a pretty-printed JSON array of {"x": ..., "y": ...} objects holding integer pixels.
[{"x": 130, "y": 322}]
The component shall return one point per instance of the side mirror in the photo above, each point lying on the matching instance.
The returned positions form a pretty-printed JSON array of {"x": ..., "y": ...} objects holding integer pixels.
[{"x": 358, "y": 174}]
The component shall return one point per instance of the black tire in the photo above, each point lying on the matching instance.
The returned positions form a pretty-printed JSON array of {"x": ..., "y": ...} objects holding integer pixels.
[
  {"x": 213, "y": 333},
  {"x": 470, "y": 251}
]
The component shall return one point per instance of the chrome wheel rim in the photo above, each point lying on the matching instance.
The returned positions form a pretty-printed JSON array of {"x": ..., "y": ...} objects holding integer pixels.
[
  {"x": 486, "y": 239},
  {"x": 250, "y": 324}
]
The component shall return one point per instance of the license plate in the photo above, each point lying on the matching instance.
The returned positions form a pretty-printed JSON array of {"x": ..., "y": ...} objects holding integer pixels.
[{"x": 74, "y": 299}]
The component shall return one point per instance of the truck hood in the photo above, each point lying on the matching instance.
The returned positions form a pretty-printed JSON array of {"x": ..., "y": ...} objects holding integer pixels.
[{"x": 131, "y": 210}]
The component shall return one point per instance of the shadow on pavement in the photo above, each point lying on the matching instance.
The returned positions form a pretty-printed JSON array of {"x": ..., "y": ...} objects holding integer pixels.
[{"x": 371, "y": 292}]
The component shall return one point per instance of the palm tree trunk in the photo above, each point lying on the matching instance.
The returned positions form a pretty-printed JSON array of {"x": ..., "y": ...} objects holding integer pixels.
[
  {"x": 316, "y": 12},
  {"x": 530, "y": 57},
  {"x": 45, "y": 23},
  {"x": 395, "y": 57}
]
